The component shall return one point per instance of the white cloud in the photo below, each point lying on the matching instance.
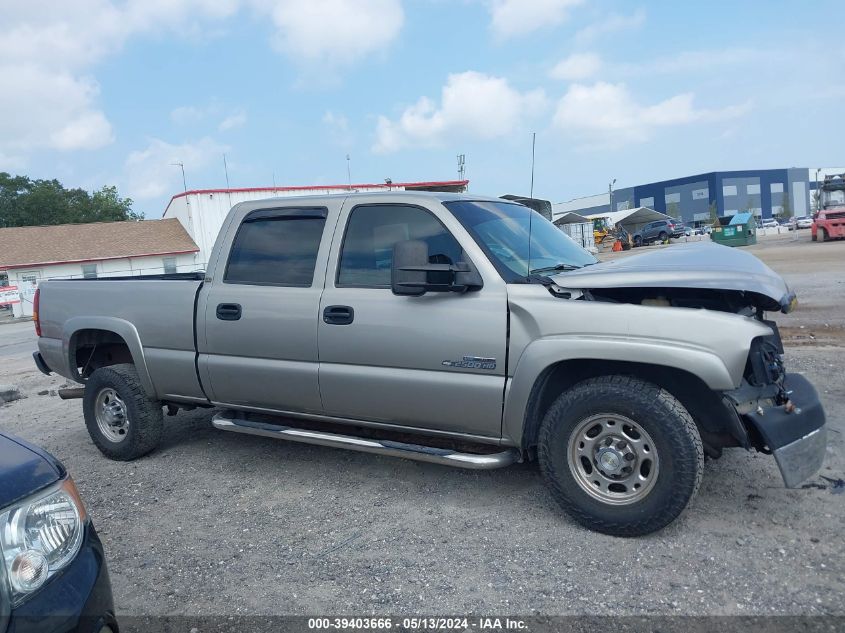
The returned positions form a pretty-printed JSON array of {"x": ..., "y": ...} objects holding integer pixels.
[
  {"x": 334, "y": 32},
  {"x": 48, "y": 49},
  {"x": 512, "y": 18},
  {"x": 607, "y": 115},
  {"x": 473, "y": 105},
  {"x": 610, "y": 24},
  {"x": 43, "y": 108},
  {"x": 576, "y": 66},
  {"x": 49, "y": 101},
  {"x": 151, "y": 173},
  {"x": 234, "y": 120}
]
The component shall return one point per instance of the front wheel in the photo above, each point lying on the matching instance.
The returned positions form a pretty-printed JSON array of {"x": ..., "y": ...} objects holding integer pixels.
[
  {"x": 122, "y": 420},
  {"x": 622, "y": 456},
  {"x": 823, "y": 235}
]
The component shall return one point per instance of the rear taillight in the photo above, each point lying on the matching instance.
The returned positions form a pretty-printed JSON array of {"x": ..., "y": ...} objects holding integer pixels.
[{"x": 36, "y": 300}]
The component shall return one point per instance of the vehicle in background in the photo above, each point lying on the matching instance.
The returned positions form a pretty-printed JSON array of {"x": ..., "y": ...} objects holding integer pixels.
[
  {"x": 804, "y": 223},
  {"x": 657, "y": 231},
  {"x": 53, "y": 575},
  {"x": 829, "y": 220},
  {"x": 787, "y": 223},
  {"x": 770, "y": 223},
  {"x": 455, "y": 329},
  {"x": 678, "y": 229},
  {"x": 601, "y": 230},
  {"x": 688, "y": 231}
]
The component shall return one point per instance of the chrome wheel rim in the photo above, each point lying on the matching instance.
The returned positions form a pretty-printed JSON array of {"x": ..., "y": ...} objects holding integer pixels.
[
  {"x": 112, "y": 418},
  {"x": 613, "y": 459}
]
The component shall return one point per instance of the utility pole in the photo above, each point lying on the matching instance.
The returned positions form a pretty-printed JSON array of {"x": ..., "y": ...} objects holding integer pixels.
[{"x": 533, "y": 143}]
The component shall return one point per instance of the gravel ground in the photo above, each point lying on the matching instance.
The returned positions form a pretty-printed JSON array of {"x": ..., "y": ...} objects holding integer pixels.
[{"x": 217, "y": 523}]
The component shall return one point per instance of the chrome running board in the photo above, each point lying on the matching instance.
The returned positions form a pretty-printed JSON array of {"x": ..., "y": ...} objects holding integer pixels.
[{"x": 417, "y": 452}]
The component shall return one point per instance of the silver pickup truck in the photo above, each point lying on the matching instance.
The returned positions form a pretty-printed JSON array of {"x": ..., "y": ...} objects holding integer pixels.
[{"x": 453, "y": 329}]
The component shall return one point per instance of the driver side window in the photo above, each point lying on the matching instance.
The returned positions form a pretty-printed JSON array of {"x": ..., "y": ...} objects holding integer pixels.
[{"x": 371, "y": 232}]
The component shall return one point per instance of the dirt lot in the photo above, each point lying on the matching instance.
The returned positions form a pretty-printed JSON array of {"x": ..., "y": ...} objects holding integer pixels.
[{"x": 216, "y": 523}]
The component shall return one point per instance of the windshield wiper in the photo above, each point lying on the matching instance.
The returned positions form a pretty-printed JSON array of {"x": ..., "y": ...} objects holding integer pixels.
[{"x": 555, "y": 267}]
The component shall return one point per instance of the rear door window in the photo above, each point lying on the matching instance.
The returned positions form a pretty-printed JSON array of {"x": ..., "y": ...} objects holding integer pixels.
[{"x": 276, "y": 247}]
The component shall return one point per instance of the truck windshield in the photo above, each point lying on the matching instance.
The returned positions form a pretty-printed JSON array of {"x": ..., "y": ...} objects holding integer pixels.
[
  {"x": 833, "y": 198},
  {"x": 502, "y": 229}
]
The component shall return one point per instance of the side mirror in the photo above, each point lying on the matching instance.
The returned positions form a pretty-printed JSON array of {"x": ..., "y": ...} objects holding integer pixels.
[{"x": 412, "y": 274}]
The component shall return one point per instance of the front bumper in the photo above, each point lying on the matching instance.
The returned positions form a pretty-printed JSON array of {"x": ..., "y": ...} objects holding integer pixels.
[
  {"x": 78, "y": 600},
  {"x": 798, "y": 439}
]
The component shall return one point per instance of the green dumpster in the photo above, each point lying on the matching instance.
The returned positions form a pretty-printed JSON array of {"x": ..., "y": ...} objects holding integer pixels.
[{"x": 735, "y": 230}]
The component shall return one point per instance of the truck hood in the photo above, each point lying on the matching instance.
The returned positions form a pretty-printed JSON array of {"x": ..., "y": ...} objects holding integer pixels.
[{"x": 696, "y": 265}]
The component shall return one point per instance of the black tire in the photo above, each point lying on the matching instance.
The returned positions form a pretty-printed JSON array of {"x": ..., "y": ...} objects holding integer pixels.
[
  {"x": 638, "y": 241},
  {"x": 144, "y": 415},
  {"x": 674, "y": 435},
  {"x": 823, "y": 235},
  {"x": 663, "y": 236}
]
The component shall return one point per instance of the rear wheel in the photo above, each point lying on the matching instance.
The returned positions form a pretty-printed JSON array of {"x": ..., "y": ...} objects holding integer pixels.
[
  {"x": 663, "y": 236},
  {"x": 122, "y": 420},
  {"x": 823, "y": 235},
  {"x": 622, "y": 456},
  {"x": 638, "y": 241}
]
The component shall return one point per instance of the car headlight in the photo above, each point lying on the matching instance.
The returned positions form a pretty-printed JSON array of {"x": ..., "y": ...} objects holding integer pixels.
[{"x": 39, "y": 536}]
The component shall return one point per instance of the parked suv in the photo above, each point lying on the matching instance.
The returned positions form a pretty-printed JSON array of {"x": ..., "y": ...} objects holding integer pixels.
[{"x": 657, "y": 231}]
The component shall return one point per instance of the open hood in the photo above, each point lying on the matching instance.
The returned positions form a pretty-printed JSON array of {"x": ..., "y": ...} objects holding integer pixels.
[{"x": 703, "y": 265}]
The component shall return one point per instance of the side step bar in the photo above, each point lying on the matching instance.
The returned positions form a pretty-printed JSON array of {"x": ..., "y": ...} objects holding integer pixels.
[{"x": 381, "y": 447}]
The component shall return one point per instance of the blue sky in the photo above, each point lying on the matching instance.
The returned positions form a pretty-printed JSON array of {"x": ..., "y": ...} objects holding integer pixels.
[{"x": 105, "y": 92}]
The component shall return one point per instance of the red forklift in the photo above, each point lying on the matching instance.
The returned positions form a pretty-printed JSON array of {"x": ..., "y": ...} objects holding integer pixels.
[{"x": 829, "y": 220}]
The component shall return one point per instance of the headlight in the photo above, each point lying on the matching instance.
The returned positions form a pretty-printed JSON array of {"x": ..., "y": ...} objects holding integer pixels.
[{"x": 39, "y": 536}]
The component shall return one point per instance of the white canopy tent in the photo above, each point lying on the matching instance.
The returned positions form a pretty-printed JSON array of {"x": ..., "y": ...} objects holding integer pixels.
[{"x": 632, "y": 220}]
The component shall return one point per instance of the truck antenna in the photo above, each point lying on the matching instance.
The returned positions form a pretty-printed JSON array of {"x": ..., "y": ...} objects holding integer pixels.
[{"x": 531, "y": 195}]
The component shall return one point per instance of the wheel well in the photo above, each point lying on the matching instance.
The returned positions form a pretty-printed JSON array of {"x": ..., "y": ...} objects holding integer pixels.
[
  {"x": 717, "y": 423},
  {"x": 92, "y": 349}
]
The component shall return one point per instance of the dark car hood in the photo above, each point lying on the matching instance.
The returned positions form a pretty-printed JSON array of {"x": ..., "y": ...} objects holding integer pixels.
[
  {"x": 24, "y": 469},
  {"x": 694, "y": 265}
]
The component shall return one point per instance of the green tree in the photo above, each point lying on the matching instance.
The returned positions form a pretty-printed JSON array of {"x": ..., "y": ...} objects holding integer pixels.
[
  {"x": 714, "y": 213},
  {"x": 786, "y": 207},
  {"x": 26, "y": 202}
]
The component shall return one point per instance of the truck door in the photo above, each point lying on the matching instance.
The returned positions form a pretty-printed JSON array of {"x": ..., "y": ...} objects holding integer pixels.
[
  {"x": 257, "y": 316},
  {"x": 436, "y": 361}
]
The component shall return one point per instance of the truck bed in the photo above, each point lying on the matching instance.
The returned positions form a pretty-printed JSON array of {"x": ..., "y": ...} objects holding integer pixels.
[{"x": 156, "y": 310}]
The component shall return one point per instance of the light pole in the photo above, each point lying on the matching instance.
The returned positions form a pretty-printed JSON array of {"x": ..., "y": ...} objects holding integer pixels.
[
  {"x": 610, "y": 195},
  {"x": 184, "y": 182}
]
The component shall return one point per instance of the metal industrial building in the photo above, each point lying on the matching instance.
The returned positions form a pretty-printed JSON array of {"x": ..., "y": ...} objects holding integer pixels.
[
  {"x": 202, "y": 211},
  {"x": 762, "y": 191}
]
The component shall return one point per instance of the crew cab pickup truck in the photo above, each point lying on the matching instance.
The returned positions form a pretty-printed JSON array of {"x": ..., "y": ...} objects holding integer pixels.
[{"x": 453, "y": 329}]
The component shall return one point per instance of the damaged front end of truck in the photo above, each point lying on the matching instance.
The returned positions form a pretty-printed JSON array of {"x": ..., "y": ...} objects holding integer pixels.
[{"x": 770, "y": 410}]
